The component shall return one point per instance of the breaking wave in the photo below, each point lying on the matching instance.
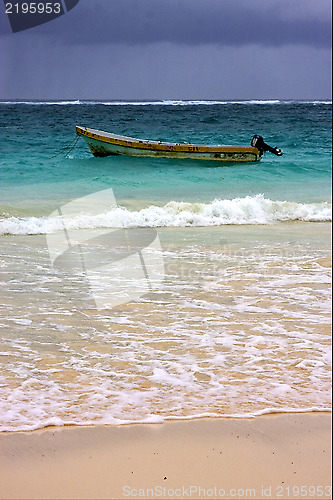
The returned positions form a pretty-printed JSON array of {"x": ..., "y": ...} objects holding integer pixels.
[
  {"x": 248, "y": 210},
  {"x": 168, "y": 102}
]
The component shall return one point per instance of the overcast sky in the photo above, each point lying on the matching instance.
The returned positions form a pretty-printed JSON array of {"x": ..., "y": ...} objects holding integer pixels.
[{"x": 172, "y": 49}]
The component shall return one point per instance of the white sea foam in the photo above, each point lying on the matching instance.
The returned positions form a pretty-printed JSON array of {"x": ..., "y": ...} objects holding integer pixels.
[
  {"x": 248, "y": 210},
  {"x": 247, "y": 336},
  {"x": 169, "y": 102},
  {"x": 46, "y": 103}
]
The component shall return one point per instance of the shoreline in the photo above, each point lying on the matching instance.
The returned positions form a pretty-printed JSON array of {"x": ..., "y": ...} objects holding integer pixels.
[{"x": 269, "y": 456}]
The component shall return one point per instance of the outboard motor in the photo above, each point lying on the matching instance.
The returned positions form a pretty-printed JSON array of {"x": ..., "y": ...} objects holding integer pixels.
[{"x": 258, "y": 142}]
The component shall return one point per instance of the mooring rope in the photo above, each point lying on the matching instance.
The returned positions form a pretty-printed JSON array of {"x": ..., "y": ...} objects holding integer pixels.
[
  {"x": 75, "y": 142},
  {"x": 71, "y": 145}
]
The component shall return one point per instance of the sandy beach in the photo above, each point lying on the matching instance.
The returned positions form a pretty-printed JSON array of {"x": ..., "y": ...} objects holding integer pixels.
[{"x": 273, "y": 456}]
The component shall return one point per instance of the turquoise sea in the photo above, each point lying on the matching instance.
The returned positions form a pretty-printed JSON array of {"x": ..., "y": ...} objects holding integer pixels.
[{"x": 231, "y": 312}]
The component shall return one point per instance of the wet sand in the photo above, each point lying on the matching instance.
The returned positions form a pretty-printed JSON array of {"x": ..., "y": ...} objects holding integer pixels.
[{"x": 272, "y": 456}]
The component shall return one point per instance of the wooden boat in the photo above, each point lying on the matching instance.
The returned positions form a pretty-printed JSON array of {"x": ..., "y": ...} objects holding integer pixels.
[{"x": 106, "y": 144}]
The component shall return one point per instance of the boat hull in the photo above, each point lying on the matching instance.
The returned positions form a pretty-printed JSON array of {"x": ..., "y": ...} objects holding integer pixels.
[{"x": 106, "y": 144}]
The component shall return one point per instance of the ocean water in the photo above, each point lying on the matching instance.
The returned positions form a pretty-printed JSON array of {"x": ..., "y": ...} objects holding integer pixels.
[{"x": 147, "y": 289}]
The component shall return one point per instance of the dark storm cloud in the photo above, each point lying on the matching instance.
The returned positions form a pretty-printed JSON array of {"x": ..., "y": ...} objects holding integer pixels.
[
  {"x": 172, "y": 49},
  {"x": 196, "y": 22},
  {"x": 224, "y": 22}
]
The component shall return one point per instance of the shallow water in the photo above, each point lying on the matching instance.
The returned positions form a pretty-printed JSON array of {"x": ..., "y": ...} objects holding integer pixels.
[{"x": 239, "y": 326}]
